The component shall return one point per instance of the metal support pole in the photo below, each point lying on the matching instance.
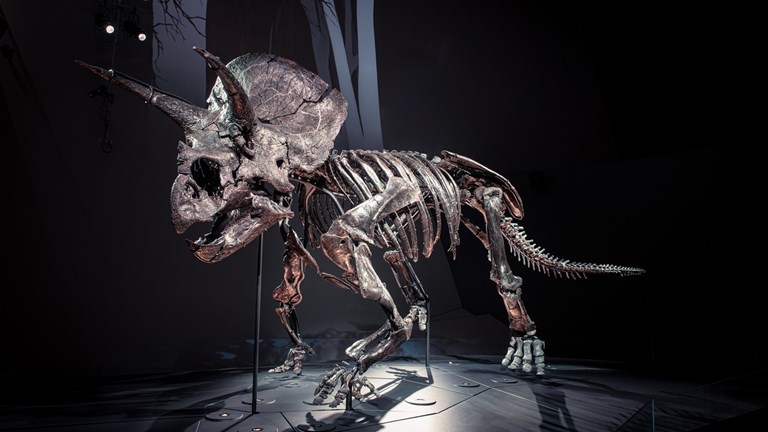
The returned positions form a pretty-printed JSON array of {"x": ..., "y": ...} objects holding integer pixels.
[
  {"x": 254, "y": 397},
  {"x": 429, "y": 323},
  {"x": 348, "y": 404}
]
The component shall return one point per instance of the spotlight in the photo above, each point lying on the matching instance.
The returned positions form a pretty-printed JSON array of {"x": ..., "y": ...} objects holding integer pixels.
[
  {"x": 104, "y": 23},
  {"x": 132, "y": 28},
  {"x": 116, "y": 19}
]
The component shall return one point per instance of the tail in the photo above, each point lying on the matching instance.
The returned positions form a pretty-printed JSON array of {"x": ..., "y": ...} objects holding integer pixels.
[{"x": 534, "y": 257}]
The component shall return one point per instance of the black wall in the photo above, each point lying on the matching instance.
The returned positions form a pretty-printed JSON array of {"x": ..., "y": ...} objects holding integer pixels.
[{"x": 627, "y": 132}]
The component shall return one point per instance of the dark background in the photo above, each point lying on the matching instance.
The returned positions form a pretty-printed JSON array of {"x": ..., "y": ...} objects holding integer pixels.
[{"x": 627, "y": 130}]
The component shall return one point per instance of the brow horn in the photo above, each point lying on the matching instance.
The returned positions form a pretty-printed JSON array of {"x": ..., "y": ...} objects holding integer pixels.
[
  {"x": 179, "y": 110},
  {"x": 241, "y": 105}
]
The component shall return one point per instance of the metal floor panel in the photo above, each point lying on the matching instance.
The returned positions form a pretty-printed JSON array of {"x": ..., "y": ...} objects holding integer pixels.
[{"x": 453, "y": 394}]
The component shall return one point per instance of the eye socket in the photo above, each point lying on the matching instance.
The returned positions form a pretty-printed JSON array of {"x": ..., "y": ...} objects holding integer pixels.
[
  {"x": 205, "y": 172},
  {"x": 280, "y": 162}
]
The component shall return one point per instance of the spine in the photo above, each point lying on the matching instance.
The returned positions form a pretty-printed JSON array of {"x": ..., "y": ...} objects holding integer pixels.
[{"x": 535, "y": 257}]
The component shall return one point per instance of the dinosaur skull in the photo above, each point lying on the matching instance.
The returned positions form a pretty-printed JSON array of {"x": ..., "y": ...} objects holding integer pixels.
[{"x": 266, "y": 118}]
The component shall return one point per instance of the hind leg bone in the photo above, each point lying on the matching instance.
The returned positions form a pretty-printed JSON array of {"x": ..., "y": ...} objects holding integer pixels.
[
  {"x": 345, "y": 242},
  {"x": 525, "y": 351}
]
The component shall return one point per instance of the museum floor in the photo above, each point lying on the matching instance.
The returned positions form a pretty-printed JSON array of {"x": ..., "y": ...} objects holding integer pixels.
[{"x": 453, "y": 394}]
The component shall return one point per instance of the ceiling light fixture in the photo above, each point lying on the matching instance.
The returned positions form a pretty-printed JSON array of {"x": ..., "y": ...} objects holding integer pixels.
[
  {"x": 115, "y": 18},
  {"x": 131, "y": 26}
]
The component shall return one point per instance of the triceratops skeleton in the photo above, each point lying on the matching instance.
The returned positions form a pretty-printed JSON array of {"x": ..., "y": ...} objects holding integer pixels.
[{"x": 266, "y": 140}]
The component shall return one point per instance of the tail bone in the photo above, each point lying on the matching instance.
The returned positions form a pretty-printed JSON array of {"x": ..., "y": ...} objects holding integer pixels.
[{"x": 535, "y": 257}]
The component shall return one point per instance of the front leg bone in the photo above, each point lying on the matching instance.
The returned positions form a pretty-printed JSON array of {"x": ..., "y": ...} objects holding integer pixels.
[{"x": 288, "y": 295}]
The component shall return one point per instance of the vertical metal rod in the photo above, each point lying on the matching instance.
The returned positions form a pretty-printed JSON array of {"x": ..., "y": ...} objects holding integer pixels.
[
  {"x": 429, "y": 323},
  {"x": 115, "y": 37},
  {"x": 348, "y": 402},
  {"x": 254, "y": 397}
]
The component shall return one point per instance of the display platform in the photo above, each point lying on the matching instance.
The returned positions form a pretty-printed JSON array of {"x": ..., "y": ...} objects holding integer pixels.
[{"x": 472, "y": 393}]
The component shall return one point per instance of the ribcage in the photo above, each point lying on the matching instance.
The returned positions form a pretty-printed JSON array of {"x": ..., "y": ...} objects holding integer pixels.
[{"x": 353, "y": 176}]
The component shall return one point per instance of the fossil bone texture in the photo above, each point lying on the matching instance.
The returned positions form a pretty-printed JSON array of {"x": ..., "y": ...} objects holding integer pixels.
[{"x": 264, "y": 144}]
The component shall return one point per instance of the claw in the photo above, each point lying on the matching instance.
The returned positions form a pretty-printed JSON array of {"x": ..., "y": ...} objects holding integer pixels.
[
  {"x": 363, "y": 382},
  {"x": 510, "y": 352},
  {"x": 327, "y": 384},
  {"x": 294, "y": 360},
  {"x": 517, "y": 356},
  {"x": 340, "y": 397},
  {"x": 419, "y": 314},
  {"x": 350, "y": 383},
  {"x": 525, "y": 354},
  {"x": 538, "y": 355},
  {"x": 343, "y": 392},
  {"x": 422, "y": 318}
]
